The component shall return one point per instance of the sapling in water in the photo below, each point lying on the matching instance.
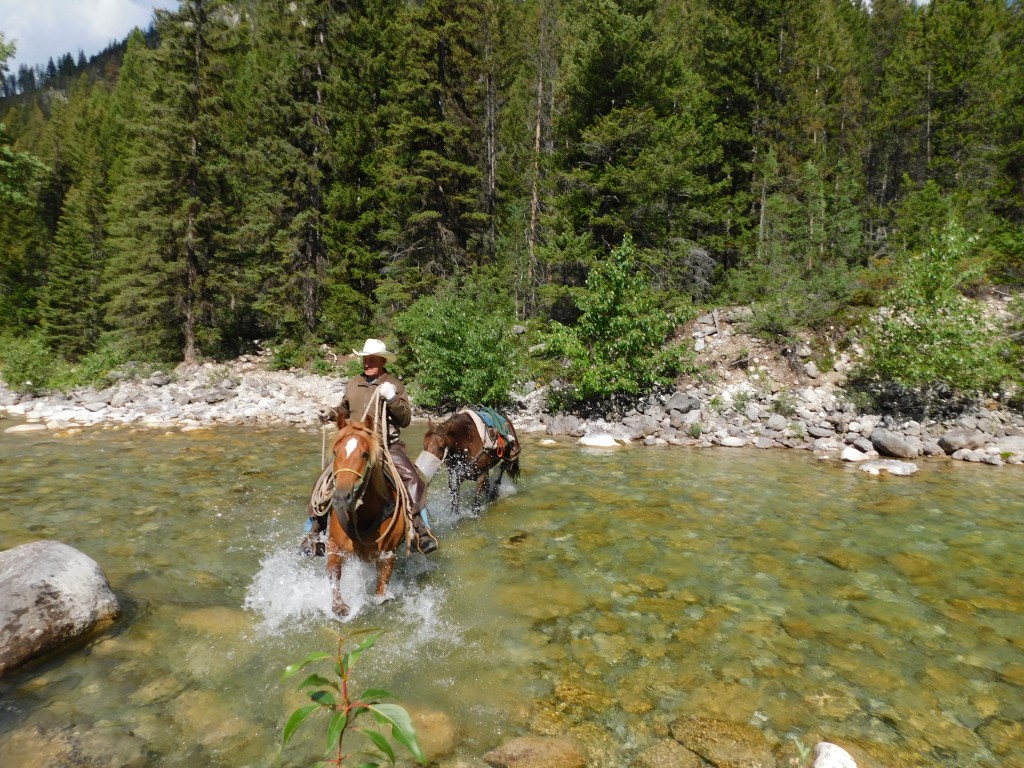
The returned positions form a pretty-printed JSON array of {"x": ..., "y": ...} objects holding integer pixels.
[{"x": 348, "y": 712}]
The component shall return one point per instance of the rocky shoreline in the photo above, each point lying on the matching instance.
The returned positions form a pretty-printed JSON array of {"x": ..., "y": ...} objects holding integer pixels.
[{"x": 748, "y": 410}]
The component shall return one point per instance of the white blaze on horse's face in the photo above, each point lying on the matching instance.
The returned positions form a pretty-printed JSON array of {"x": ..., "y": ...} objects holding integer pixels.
[{"x": 351, "y": 446}]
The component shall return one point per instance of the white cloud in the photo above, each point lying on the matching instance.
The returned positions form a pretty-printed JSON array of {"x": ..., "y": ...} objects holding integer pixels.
[{"x": 44, "y": 29}]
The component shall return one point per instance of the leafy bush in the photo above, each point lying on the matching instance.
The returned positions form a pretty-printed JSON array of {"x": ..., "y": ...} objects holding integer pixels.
[
  {"x": 927, "y": 333},
  {"x": 458, "y": 348},
  {"x": 295, "y": 354},
  {"x": 96, "y": 368},
  {"x": 616, "y": 346},
  {"x": 27, "y": 364},
  {"x": 786, "y": 301}
]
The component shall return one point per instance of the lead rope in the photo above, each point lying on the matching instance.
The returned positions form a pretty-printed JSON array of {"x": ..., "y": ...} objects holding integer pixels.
[{"x": 403, "y": 504}]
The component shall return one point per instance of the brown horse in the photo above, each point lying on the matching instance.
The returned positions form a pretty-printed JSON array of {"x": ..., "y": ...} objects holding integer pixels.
[
  {"x": 458, "y": 443},
  {"x": 369, "y": 512}
]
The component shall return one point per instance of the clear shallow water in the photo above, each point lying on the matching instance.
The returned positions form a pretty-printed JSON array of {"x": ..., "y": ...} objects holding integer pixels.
[{"x": 610, "y": 594}]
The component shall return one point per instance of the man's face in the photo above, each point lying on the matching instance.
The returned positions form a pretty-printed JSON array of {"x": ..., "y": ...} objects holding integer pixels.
[{"x": 373, "y": 365}]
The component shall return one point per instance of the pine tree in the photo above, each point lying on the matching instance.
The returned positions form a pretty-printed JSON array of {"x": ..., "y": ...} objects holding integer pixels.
[
  {"x": 291, "y": 163},
  {"x": 169, "y": 206},
  {"x": 636, "y": 138},
  {"x": 70, "y": 308},
  {"x": 433, "y": 167}
]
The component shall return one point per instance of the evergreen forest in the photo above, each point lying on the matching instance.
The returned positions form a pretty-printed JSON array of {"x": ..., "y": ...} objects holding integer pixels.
[{"x": 593, "y": 172}]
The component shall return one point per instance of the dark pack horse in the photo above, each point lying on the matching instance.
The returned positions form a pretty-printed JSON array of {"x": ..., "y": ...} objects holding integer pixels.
[{"x": 471, "y": 443}]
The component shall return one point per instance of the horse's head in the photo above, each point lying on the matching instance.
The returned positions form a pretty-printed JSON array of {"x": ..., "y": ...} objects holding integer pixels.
[
  {"x": 357, "y": 455},
  {"x": 435, "y": 441}
]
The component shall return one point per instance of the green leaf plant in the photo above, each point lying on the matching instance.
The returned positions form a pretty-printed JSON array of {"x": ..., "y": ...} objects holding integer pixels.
[{"x": 347, "y": 712}]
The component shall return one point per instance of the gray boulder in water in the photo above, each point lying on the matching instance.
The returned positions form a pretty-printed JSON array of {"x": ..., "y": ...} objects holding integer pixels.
[{"x": 52, "y": 595}]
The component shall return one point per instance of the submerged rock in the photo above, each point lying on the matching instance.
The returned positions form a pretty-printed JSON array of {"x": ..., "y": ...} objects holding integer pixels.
[
  {"x": 599, "y": 440},
  {"x": 536, "y": 752},
  {"x": 53, "y": 595},
  {"x": 893, "y": 467},
  {"x": 828, "y": 755},
  {"x": 724, "y": 744}
]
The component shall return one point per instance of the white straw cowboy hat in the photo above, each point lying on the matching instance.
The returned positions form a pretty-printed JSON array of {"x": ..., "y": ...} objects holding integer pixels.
[{"x": 376, "y": 348}]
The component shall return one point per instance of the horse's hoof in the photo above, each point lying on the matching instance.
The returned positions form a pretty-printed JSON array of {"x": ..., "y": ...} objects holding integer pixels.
[{"x": 340, "y": 611}]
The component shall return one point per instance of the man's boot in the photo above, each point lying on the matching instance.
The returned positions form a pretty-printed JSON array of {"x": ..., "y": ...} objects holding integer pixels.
[
  {"x": 312, "y": 544},
  {"x": 425, "y": 541}
]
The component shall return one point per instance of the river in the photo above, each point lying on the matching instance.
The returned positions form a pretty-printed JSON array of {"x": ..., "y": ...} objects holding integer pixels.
[{"x": 607, "y": 594}]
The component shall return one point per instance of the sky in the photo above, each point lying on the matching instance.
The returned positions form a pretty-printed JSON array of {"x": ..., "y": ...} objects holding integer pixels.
[{"x": 44, "y": 29}]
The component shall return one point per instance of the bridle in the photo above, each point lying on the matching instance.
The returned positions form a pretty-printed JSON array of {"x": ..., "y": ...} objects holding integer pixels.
[
  {"x": 359, "y": 487},
  {"x": 401, "y": 505}
]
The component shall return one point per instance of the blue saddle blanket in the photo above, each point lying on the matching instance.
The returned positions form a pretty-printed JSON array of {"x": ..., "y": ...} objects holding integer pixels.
[{"x": 493, "y": 419}]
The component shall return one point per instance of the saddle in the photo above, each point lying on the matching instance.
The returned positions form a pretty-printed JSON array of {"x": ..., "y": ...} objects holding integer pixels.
[{"x": 494, "y": 430}]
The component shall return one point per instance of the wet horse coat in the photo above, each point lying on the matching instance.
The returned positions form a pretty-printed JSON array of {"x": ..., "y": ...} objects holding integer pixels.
[{"x": 459, "y": 443}]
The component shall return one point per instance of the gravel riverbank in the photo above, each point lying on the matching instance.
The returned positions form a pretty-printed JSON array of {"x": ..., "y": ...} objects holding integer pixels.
[
  {"x": 813, "y": 418},
  {"x": 758, "y": 399}
]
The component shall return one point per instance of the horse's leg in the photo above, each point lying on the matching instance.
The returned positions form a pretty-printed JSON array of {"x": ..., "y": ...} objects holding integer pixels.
[
  {"x": 482, "y": 491},
  {"x": 454, "y": 481},
  {"x": 334, "y": 559},
  {"x": 496, "y": 487},
  {"x": 385, "y": 565}
]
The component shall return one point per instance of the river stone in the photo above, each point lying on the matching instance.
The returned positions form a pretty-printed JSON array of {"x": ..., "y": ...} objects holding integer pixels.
[
  {"x": 724, "y": 744},
  {"x": 891, "y": 444},
  {"x": 901, "y": 468},
  {"x": 53, "y": 595},
  {"x": 536, "y": 752},
  {"x": 682, "y": 402},
  {"x": 1003, "y": 736},
  {"x": 666, "y": 753},
  {"x": 828, "y": 755},
  {"x": 951, "y": 442},
  {"x": 565, "y": 425},
  {"x": 599, "y": 440},
  {"x": 1011, "y": 444},
  {"x": 967, "y": 454},
  {"x": 436, "y": 733},
  {"x": 850, "y": 453},
  {"x": 26, "y": 428}
]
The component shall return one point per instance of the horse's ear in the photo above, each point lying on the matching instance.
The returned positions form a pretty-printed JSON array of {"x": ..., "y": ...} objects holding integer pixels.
[
  {"x": 340, "y": 421},
  {"x": 430, "y": 424}
]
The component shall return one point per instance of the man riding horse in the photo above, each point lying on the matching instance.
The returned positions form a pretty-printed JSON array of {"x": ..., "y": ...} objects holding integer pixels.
[{"x": 359, "y": 394}]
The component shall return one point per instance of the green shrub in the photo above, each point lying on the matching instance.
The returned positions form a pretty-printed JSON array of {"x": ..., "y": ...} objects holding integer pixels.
[
  {"x": 96, "y": 368},
  {"x": 784, "y": 404},
  {"x": 297, "y": 354},
  {"x": 457, "y": 347},
  {"x": 616, "y": 346},
  {"x": 927, "y": 333},
  {"x": 28, "y": 365}
]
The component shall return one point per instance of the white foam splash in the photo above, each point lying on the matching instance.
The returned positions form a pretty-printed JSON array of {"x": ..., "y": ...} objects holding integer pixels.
[{"x": 290, "y": 590}]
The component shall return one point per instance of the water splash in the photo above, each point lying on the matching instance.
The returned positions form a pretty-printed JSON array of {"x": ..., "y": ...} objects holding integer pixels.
[{"x": 290, "y": 590}]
